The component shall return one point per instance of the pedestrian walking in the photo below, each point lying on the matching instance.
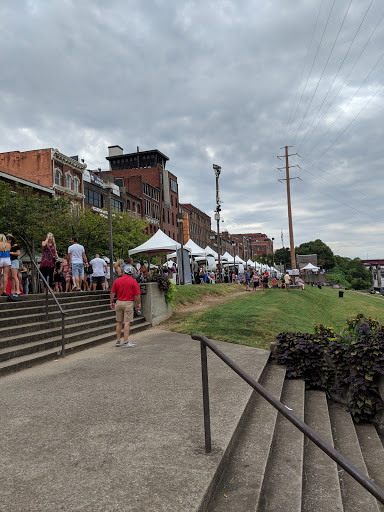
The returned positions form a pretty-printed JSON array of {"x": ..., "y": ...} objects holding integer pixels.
[
  {"x": 14, "y": 255},
  {"x": 77, "y": 259},
  {"x": 99, "y": 268},
  {"x": 126, "y": 290},
  {"x": 5, "y": 262},
  {"x": 48, "y": 260}
]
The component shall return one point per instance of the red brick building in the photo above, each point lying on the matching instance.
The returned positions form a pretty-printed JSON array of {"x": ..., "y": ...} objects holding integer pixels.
[
  {"x": 48, "y": 168},
  {"x": 261, "y": 244},
  {"x": 144, "y": 175}
]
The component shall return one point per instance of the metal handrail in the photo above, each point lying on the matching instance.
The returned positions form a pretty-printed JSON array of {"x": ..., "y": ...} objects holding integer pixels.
[
  {"x": 366, "y": 482},
  {"x": 48, "y": 288}
]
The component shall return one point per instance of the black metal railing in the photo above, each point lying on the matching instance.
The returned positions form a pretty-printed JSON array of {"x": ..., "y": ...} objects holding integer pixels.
[
  {"x": 49, "y": 289},
  {"x": 344, "y": 463}
]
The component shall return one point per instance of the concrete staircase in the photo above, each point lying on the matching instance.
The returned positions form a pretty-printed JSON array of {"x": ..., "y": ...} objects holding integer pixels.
[
  {"x": 26, "y": 338},
  {"x": 273, "y": 467}
]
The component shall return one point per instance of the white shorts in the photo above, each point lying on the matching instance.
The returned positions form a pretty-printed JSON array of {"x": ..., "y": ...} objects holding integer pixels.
[{"x": 5, "y": 262}]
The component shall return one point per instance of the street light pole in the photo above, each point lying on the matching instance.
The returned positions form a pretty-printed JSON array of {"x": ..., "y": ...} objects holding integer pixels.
[
  {"x": 109, "y": 186},
  {"x": 179, "y": 217},
  {"x": 217, "y": 170},
  {"x": 234, "y": 263},
  {"x": 273, "y": 254}
]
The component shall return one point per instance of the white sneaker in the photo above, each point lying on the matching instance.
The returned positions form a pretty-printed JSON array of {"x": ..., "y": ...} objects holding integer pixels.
[{"x": 128, "y": 345}]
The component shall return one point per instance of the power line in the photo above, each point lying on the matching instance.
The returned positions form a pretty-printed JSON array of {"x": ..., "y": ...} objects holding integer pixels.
[
  {"x": 330, "y": 12},
  {"x": 337, "y": 74},
  {"x": 302, "y": 73},
  {"x": 346, "y": 78},
  {"x": 336, "y": 199},
  {"x": 314, "y": 60},
  {"x": 345, "y": 129}
]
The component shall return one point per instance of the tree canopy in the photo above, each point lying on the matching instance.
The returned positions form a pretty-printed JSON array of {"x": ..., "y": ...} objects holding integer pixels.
[
  {"x": 325, "y": 256},
  {"x": 29, "y": 217}
]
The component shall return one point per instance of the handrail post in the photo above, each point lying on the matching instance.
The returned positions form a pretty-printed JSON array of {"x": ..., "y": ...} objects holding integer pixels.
[
  {"x": 46, "y": 303},
  {"x": 204, "y": 375},
  {"x": 62, "y": 336}
]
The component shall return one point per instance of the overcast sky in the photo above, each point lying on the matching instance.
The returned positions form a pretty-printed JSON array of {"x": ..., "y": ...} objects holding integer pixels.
[{"x": 221, "y": 81}]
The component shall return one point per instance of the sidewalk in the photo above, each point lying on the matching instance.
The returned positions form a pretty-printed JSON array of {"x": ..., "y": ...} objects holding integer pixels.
[{"x": 113, "y": 429}]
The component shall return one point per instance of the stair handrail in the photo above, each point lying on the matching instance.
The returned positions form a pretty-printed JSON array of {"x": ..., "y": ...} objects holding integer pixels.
[
  {"x": 49, "y": 289},
  {"x": 342, "y": 461}
]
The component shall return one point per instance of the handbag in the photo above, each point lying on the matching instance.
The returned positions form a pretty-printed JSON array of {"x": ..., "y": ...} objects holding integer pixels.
[{"x": 88, "y": 269}]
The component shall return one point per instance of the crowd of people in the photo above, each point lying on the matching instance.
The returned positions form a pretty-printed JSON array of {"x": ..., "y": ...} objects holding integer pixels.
[{"x": 74, "y": 272}]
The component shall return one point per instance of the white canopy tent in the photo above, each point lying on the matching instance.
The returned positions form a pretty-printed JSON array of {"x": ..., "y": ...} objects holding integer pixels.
[
  {"x": 309, "y": 266},
  {"x": 211, "y": 252},
  {"x": 195, "y": 249},
  {"x": 159, "y": 243}
]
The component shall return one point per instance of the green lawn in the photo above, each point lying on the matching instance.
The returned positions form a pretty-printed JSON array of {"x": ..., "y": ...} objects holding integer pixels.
[
  {"x": 192, "y": 294},
  {"x": 255, "y": 319}
]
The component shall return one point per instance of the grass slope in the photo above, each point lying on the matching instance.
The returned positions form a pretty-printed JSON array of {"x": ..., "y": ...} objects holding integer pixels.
[{"x": 256, "y": 318}]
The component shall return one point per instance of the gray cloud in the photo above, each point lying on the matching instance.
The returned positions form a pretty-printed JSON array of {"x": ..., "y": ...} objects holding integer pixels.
[{"x": 210, "y": 82}]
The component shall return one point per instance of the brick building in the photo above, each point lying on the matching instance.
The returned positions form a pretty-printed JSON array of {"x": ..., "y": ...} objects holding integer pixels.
[
  {"x": 13, "y": 181},
  {"x": 261, "y": 244},
  {"x": 144, "y": 175},
  {"x": 48, "y": 168},
  {"x": 96, "y": 195},
  {"x": 199, "y": 224}
]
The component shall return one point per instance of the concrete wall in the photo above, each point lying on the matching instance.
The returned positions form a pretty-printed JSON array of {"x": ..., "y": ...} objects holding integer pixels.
[{"x": 153, "y": 305}]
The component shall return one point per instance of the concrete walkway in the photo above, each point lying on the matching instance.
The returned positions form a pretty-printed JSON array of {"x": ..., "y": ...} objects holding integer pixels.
[{"x": 112, "y": 429}]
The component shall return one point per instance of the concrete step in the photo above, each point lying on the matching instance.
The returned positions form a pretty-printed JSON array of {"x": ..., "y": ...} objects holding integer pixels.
[
  {"x": 373, "y": 454},
  {"x": 14, "y": 331},
  {"x": 320, "y": 477},
  {"x": 38, "y": 314},
  {"x": 51, "y": 349},
  {"x": 38, "y": 342},
  {"x": 240, "y": 485},
  {"x": 282, "y": 485},
  {"x": 40, "y": 297},
  {"x": 355, "y": 497},
  {"x": 31, "y": 308},
  {"x": 48, "y": 331}
]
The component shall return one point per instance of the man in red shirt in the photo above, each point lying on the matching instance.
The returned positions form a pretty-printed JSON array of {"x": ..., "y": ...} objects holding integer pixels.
[{"x": 126, "y": 291}]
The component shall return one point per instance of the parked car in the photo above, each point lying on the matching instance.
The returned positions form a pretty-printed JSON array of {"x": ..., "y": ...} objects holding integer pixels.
[{"x": 378, "y": 289}]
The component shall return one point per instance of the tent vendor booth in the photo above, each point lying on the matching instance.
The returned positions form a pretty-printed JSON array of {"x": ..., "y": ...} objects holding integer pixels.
[{"x": 154, "y": 307}]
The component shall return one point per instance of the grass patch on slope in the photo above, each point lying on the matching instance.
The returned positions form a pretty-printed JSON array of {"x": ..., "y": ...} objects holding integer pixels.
[
  {"x": 195, "y": 293},
  {"x": 256, "y": 318}
]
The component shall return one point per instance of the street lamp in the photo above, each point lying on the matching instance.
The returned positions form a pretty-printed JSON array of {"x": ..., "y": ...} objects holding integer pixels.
[
  {"x": 273, "y": 254},
  {"x": 109, "y": 187},
  {"x": 180, "y": 223},
  {"x": 234, "y": 252},
  {"x": 217, "y": 170}
]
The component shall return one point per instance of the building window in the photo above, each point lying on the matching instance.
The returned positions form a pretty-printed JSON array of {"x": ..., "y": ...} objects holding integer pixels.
[
  {"x": 93, "y": 198},
  {"x": 76, "y": 185},
  {"x": 173, "y": 185},
  {"x": 173, "y": 219},
  {"x": 138, "y": 208},
  {"x": 171, "y": 200},
  {"x": 146, "y": 189},
  {"x": 133, "y": 207},
  {"x": 57, "y": 177},
  {"x": 68, "y": 180},
  {"x": 119, "y": 182},
  {"x": 128, "y": 205},
  {"x": 147, "y": 206},
  {"x": 155, "y": 194},
  {"x": 115, "y": 205},
  {"x": 156, "y": 214},
  {"x": 168, "y": 216}
]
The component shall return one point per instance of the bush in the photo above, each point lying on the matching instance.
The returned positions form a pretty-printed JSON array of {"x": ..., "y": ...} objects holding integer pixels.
[{"x": 348, "y": 364}]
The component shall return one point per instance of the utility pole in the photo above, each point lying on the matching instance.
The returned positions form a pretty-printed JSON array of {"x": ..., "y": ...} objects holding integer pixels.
[{"x": 287, "y": 179}]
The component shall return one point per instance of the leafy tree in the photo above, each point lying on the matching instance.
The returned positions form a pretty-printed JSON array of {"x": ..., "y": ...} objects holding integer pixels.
[
  {"x": 283, "y": 256},
  {"x": 325, "y": 256},
  {"x": 353, "y": 271},
  {"x": 29, "y": 216}
]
